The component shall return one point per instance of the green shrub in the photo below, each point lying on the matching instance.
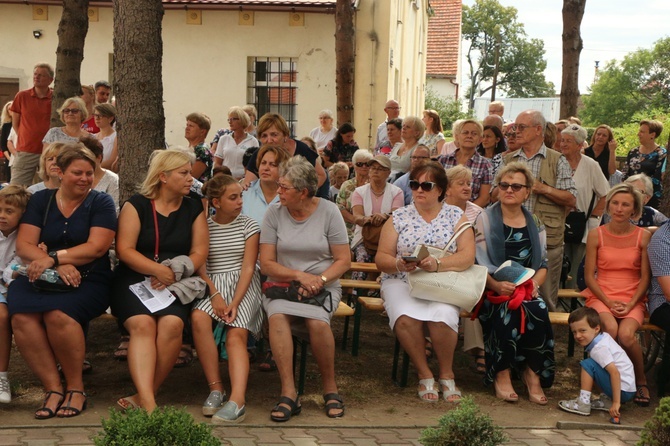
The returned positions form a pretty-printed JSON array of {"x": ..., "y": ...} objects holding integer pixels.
[
  {"x": 166, "y": 426},
  {"x": 464, "y": 425},
  {"x": 657, "y": 430}
]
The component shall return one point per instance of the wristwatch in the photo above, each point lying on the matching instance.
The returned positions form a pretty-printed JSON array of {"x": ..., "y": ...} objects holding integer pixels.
[
  {"x": 54, "y": 256},
  {"x": 323, "y": 279}
]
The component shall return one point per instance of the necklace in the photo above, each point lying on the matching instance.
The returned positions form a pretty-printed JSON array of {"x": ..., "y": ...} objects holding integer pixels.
[
  {"x": 379, "y": 194},
  {"x": 62, "y": 206}
]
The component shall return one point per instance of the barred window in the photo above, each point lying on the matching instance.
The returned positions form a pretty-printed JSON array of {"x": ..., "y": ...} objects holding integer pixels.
[{"x": 271, "y": 86}]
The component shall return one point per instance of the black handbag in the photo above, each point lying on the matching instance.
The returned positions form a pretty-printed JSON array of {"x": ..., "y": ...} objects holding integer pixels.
[
  {"x": 575, "y": 224},
  {"x": 291, "y": 292}
]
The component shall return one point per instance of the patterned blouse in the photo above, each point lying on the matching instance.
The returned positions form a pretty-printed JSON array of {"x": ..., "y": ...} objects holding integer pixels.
[{"x": 650, "y": 164}]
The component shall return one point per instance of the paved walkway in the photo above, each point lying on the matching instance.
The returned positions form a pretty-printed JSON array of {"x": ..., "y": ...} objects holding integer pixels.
[{"x": 306, "y": 436}]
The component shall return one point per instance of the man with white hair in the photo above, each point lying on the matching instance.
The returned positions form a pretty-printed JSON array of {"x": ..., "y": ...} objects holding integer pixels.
[
  {"x": 392, "y": 110},
  {"x": 553, "y": 193}
]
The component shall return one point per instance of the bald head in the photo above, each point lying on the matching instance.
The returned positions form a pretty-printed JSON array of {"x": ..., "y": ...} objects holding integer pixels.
[
  {"x": 392, "y": 109},
  {"x": 493, "y": 121}
]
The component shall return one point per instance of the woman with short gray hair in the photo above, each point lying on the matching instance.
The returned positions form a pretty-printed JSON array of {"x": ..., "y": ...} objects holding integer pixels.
[
  {"x": 304, "y": 243},
  {"x": 325, "y": 132}
]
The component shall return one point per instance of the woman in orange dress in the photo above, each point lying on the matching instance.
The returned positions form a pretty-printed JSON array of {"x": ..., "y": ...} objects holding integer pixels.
[{"x": 617, "y": 276}]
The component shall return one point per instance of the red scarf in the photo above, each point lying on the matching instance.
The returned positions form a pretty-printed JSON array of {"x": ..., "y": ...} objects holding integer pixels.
[{"x": 521, "y": 293}]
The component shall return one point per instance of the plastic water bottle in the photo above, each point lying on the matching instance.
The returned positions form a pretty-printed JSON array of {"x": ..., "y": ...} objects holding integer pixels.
[{"x": 49, "y": 275}]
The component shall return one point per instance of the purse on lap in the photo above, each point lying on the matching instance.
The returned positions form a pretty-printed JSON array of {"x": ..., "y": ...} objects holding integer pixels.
[
  {"x": 291, "y": 291},
  {"x": 459, "y": 288}
]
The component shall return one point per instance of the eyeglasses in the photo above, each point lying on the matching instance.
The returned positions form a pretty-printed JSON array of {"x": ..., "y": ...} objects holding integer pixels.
[
  {"x": 573, "y": 127},
  {"x": 233, "y": 119},
  {"x": 70, "y": 111},
  {"x": 510, "y": 135},
  {"x": 419, "y": 157},
  {"x": 426, "y": 186},
  {"x": 96, "y": 115},
  {"x": 379, "y": 168},
  {"x": 522, "y": 127},
  {"x": 362, "y": 164},
  {"x": 516, "y": 187},
  {"x": 285, "y": 188}
]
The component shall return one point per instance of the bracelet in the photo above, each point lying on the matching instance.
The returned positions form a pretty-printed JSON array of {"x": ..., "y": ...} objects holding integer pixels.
[
  {"x": 213, "y": 295},
  {"x": 438, "y": 265},
  {"x": 215, "y": 382}
]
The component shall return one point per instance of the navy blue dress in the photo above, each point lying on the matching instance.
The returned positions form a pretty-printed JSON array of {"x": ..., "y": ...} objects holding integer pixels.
[
  {"x": 174, "y": 240},
  {"x": 91, "y": 298}
]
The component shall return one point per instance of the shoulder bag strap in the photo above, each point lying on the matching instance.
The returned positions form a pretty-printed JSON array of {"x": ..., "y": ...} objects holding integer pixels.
[
  {"x": 593, "y": 199},
  {"x": 460, "y": 230},
  {"x": 46, "y": 211},
  {"x": 153, "y": 208}
]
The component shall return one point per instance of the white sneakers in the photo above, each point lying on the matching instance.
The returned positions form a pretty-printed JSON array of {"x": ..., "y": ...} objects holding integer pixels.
[{"x": 5, "y": 391}]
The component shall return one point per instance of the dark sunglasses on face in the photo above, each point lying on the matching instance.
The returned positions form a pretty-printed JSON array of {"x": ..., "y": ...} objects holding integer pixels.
[
  {"x": 426, "y": 186},
  {"x": 516, "y": 187},
  {"x": 362, "y": 164}
]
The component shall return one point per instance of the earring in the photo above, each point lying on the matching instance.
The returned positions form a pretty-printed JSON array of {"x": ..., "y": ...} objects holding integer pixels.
[
  {"x": 60, "y": 178},
  {"x": 164, "y": 181}
]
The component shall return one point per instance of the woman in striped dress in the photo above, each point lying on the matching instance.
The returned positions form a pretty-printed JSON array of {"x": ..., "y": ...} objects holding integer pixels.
[{"x": 235, "y": 298}]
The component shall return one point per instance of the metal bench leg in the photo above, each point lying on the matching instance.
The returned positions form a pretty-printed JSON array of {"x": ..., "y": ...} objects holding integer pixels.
[
  {"x": 663, "y": 372},
  {"x": 396, "y": 358},
  {"x": 357, "y": 328},
  {"x": 405, "y": 369},
  {"x": 571, "y": 339}
]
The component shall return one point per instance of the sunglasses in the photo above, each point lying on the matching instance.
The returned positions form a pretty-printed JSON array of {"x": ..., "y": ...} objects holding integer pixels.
[
  {"x": 73, "y": 111},
  {"x": 516, "y": 187},
  {"x": 426, "y": 186},
  {"x": 362, "y": 164}
]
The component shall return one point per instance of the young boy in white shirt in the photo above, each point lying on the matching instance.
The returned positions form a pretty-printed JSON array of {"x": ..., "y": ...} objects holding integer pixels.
[
  {"x": 13, "y": 202},
  {"x": 608, "y": 366}
]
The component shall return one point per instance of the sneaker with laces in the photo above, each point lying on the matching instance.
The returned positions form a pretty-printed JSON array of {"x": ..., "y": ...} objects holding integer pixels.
[
  {"x": 575, "y": 406},
  {"x": 213, "y": 403},
  {"x": 5, "y": 391},
  {"x": 603, "y": 403}
]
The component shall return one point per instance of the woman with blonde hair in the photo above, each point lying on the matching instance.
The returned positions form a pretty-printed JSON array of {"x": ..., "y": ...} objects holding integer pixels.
[
  {"x": 49, "y": 171},
  {"x": 160, "y": 223},
  {"x": 231, "y": 147},
  {"x": 72, "y": 113}
]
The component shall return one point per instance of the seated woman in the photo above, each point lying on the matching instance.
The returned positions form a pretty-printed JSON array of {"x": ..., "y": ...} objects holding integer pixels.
[
  {"x": 49, "y": 171},
  {"x": 263, "y": 192},
  {"x": 651, "y": 218},
  {"x": 303, "y": 240},
  {"x": 73, "y": 113},
  {"x": 412, "y": 131},
  {"x": 426, "y": 221},
  {"x": 103, "y": 180},
  {"x": 342, "y": 147},
  {"x": 617, "y": 276},
  {"x": 507, "y": 231},
  {"x": 433, "y": 137},
  {"x": 361, "y": 177},
  {"x": 338, "y": 173},
  {"x": 77, "y": 226},
  {"x": 105, "y": 116},
  {"x": 155, "y": 338},
  {"x": 393, "y": 128}
]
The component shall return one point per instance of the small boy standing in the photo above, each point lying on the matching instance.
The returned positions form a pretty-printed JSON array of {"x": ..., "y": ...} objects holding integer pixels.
[
  {"x": 13, "y": 202},
  {"x": 608, "y": 366}
]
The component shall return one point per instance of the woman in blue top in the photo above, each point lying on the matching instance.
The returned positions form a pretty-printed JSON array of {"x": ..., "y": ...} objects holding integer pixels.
[{"x": 263, "y": 192}]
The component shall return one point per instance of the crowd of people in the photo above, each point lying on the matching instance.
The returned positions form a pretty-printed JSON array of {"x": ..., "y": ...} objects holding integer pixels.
[{"x": 253, "y": 231}]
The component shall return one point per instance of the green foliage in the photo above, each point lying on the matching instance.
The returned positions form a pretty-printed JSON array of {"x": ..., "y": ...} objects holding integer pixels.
[
  {"x": 487, "y": 24},
  {"x": 448, "y": 109},
  {"x": 464, "y": 425},
  {"x": 656, "y": 430},
  {"x": 626, "y": 135},
  {"x": 164, "y": 427},
  {"x": 637, "y": 84}
]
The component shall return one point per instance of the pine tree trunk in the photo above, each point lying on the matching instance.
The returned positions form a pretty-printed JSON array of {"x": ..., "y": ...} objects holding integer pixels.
[
  {"x": 573, "y": 12},
  {"x": 138, "y": 88},
  {"x": 344, "y": 61},
  {"x": 72, "y": 31}
]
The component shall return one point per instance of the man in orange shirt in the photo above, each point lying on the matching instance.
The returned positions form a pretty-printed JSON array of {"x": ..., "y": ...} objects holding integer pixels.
[{"x": 31, "y": 115}]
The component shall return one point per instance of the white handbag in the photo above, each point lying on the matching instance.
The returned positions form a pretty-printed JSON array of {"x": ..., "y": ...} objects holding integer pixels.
[{"x": 459, "y": 288}]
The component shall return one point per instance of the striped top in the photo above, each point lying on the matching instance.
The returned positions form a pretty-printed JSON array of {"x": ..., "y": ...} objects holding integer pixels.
[{"x": 226, "y": 243}]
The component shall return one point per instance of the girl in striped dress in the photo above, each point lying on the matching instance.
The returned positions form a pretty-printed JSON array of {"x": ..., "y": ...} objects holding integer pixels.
[{"x": 235, "y": 298}]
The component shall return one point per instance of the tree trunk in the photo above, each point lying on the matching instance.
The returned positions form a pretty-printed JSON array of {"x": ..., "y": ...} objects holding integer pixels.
[
  {"x": 344, "y": 61},
  {"x": 72, "y": 31},
  {"x": 573, "y": 12},
  {"x": 138, "y": 88}
]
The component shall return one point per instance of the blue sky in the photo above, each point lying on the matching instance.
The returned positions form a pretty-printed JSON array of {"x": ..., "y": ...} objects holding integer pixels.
[{"x": 610, "y": 29}]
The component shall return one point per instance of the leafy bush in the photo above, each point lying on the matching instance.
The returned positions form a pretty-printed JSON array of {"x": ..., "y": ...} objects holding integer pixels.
[
  {"x": 464, "y": 425},
  {"x": 166, "y": 426},
  {"x": 657, "y": 430},
  {"x": 448, "y": 109}
]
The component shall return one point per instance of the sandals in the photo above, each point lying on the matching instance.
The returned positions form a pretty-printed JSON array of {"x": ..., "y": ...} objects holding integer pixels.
[
  {"x": 185, "y": 356},
  {"x": 67, "y": 406},
  {"x": 287, "y": 413},
  {"x": 44, "y": 408},
  {"x": 480, "y": 363},
  {"x": 268, "y": 364},
  {"x": 449, "y": 392},
  {"x": 429, "y": 389},
  {"x": 121, "y": 352},
  {"x": 640, "y": 399},
  {"x": 337, "y": 405},
  {"x": 126, "y": 403}
]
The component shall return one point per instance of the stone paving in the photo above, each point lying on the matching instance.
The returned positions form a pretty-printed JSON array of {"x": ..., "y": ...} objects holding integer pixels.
[{"x": 309, "y": 435}]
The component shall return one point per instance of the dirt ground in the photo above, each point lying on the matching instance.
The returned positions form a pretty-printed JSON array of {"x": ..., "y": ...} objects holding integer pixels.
[{"x": 371, "y": 398}]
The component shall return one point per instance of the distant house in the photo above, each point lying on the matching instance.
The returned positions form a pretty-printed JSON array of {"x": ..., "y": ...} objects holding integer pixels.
[
  {"x": 444, "y": 48},
  {"x": 276, "y": 54}
]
